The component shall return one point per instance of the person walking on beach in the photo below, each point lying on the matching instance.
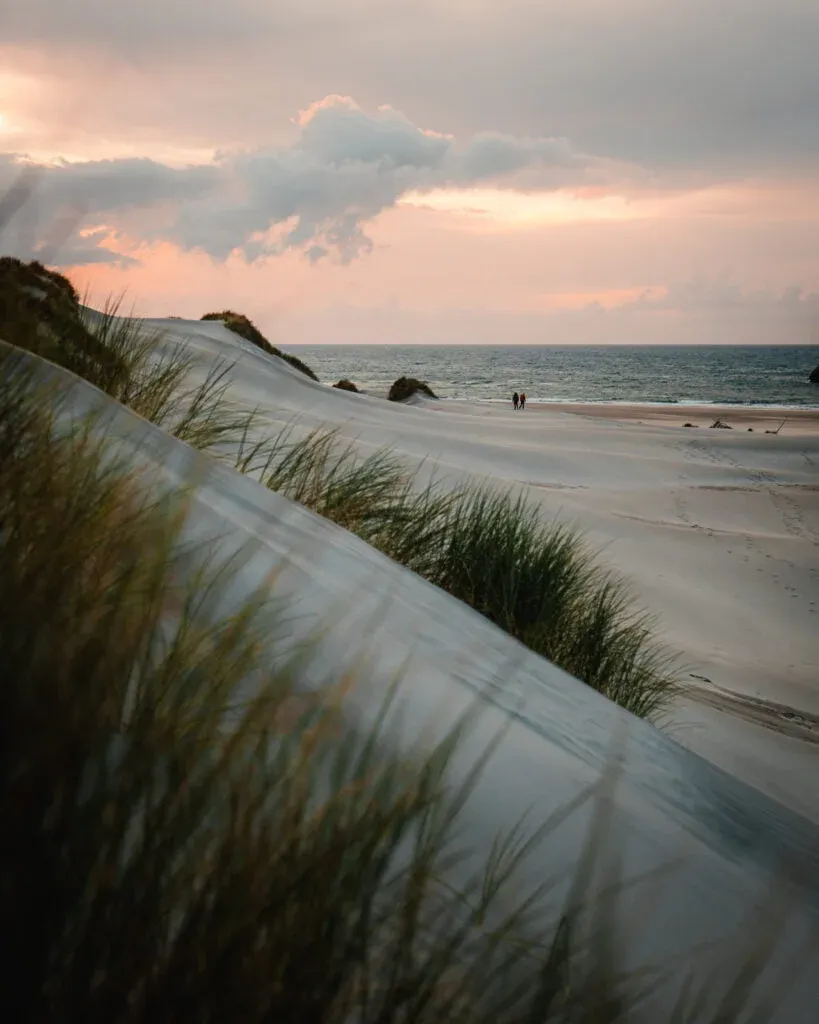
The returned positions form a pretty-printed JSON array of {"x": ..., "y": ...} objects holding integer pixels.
[
  {"x": 515, "y": 401},
  {"x": 522, "y": 401}
]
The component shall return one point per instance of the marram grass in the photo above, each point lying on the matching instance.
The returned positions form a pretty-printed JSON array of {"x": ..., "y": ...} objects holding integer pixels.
[
  {"x": 163, "y": 382},
  {"x": 487, "y": 547}
]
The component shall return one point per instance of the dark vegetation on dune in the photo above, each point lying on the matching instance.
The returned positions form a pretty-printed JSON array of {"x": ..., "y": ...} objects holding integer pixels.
[
  {"x": 346, "y": 385},
  {"x": 406, "y": 387},
  {"x": 245, "y": 328},
  {"x": 135, "y": 365},
  {"x": 40, "y": 311}
]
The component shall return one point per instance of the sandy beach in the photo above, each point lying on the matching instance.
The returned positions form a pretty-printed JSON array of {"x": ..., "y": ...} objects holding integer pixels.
[{"x": 718, "y": 530}]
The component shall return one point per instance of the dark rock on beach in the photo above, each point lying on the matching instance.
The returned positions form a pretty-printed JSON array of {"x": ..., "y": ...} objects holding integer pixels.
[
  {"x": 406, "y": 387},
  {"x": 814, "y": 377},
  {"x": 346, "y": 385}
]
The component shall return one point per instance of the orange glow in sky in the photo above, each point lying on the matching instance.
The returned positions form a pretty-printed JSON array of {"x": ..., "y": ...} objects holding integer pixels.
[{"x": 523, "y": 209}]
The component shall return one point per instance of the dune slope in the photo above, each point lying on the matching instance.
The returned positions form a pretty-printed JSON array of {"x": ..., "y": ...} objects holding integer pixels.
[{"x": 668, "y": 804}]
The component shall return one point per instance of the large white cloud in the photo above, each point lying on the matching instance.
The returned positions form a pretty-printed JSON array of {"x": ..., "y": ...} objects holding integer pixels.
[{"x": 316, "y": 194}]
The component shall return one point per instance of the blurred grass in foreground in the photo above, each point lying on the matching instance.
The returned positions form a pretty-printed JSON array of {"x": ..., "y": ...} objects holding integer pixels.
[{"x": 173, "y": 852}]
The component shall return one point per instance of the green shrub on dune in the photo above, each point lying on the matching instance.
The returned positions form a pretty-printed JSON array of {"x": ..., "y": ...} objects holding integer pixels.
[
  {"x": 245, "y": 328},
  {"x": 40, "y": 311}
]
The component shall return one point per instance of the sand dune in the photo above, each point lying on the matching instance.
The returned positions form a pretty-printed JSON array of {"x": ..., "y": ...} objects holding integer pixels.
[
  {"x": 718, "y": 531},
  {"x": 669, "y": 805}
]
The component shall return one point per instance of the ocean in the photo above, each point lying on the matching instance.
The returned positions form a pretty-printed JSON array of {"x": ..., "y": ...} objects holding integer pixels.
[{"x": 654, "y": 375}]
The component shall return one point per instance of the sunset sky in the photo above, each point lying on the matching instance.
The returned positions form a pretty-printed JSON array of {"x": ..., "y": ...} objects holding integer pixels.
[{"x": 465, "y": 171}]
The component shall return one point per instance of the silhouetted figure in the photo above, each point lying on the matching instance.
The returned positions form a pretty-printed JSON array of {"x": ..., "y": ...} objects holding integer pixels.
[
  {"x": 515, "y": 401},
  {"x": 522, "y": 401}
]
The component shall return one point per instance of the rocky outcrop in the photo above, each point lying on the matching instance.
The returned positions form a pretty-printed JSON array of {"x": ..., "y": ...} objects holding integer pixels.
[
  {"x": 346, "y": 385},
  {"x": 245, "y": 328},
  {"x": 406, "y": 387},
  {"x": 814, "y": 377}
]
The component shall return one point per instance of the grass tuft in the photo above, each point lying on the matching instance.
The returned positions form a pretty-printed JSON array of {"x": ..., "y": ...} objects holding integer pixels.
[
  {"x": 158, "y": 380},
  {"x": 542, "y": 585},
  {"x": 374, "y": 497},
  {"x": 537, "y": 581}
]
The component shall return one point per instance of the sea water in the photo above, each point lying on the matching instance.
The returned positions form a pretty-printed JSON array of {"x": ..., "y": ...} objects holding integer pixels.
[{"x": 659, "y": 374}]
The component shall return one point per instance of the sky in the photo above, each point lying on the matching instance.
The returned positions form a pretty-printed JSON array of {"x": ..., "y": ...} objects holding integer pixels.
[{"x": 424, "y": 171}]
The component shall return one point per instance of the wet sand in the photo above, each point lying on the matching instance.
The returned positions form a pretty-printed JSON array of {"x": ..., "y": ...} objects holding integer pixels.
[{"x": 797, "y": 421}]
